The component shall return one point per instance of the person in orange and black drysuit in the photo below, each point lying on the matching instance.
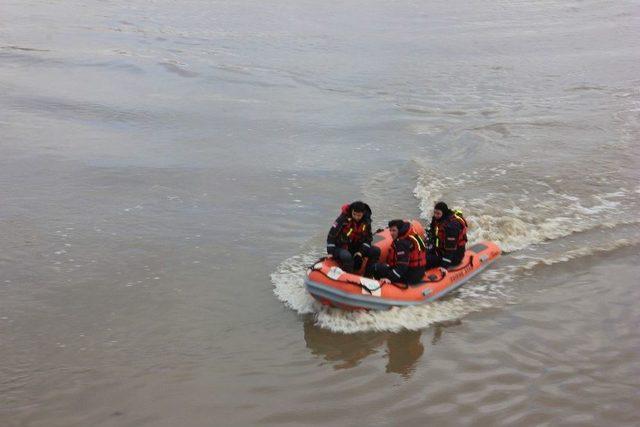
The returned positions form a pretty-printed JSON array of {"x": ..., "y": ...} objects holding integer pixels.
[
  {"x": 349, "y": 240},
  {"x": 406, "y": 261},
  {"x": 448, "y": 237}
]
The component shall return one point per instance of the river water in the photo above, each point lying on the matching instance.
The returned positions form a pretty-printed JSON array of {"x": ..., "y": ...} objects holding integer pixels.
[{"x": 168, "y": 170}]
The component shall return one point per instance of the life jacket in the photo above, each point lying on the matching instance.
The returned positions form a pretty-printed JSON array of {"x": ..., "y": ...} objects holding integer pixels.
[
  {"x": 440, "y": 235},
  {"x": 352, "y": 231},
  {"x": 417, "y": 255}
]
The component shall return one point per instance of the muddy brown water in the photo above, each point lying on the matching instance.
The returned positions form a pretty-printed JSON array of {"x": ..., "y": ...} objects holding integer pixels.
[{"x": 169, "y": 169}]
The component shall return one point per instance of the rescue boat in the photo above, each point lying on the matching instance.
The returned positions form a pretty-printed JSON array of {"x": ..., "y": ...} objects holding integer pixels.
[{"x": 332, "y": 286}]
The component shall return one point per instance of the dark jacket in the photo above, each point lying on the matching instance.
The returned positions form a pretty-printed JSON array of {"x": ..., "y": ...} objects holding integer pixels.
[
  {"x": 448, "y": 229},
  {"x": 361, "y": 234}
]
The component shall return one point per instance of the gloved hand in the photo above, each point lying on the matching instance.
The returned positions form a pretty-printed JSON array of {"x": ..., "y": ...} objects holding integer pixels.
[{"x": 331, "y": 250}]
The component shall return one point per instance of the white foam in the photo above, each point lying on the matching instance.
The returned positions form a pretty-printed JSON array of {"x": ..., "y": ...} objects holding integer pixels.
[
  {"x": 393, "y": 320},
  {"x": 288, "y": 281},
  {"x": 578, "y": 253},
  {"x": 521, "y": 217}
]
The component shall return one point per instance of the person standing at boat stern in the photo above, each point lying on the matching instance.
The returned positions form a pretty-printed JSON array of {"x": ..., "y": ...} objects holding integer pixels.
[
  {"x": 448, "y": 235},
  {"x": 406, "y": 261},
  {"x": 349, "y": 239}
]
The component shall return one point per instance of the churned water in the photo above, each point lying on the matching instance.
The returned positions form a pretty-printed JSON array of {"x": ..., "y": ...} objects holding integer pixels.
[{"x": 169, "y": 169}]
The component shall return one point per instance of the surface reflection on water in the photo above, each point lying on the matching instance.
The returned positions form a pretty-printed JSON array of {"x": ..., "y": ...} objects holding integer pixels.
[{"x": 403, "y": 351}]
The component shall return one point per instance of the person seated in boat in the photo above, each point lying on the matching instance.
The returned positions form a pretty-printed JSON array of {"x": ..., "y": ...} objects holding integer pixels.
[
  {"x": 406, "y": 261},
  {"x": 349, "y": 239},
  {"x": 448, "y": 237}
]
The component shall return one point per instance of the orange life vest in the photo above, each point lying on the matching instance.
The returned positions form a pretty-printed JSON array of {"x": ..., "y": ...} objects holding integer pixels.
[{"x": 417, "y": 256}]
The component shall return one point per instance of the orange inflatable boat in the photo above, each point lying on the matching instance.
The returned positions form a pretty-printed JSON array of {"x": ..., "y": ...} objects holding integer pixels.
[{"x": 330, "y": 285}]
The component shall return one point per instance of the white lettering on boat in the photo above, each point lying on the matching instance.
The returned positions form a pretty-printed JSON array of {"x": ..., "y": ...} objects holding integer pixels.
[{"x": 334, "y": 273}]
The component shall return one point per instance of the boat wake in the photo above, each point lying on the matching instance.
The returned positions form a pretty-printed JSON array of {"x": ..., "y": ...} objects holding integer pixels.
[
  {"x": 532, "y": 225},
  {"x": 516, "y": 210}
]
